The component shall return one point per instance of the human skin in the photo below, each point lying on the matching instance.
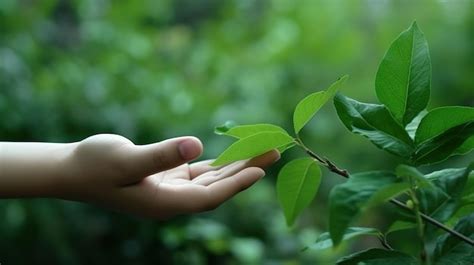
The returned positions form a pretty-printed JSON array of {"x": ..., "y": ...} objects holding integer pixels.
[{"x": 153, "y": 180}]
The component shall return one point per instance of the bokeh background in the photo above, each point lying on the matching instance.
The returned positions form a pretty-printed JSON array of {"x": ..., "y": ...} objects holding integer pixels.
[{"x": 150, "y": 70}]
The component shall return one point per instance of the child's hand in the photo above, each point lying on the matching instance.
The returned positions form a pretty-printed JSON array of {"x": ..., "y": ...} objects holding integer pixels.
[{"x": 153, "y": 180}]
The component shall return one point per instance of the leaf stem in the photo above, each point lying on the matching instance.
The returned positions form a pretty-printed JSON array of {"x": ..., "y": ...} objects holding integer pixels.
[
  {"x": 344, "y": 173},
  {"x": 383, "y": 241},
  {"x": 419, "y": 222}
]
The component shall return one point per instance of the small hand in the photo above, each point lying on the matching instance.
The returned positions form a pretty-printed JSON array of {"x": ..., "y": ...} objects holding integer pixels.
[{"x": 154, "y": 180}]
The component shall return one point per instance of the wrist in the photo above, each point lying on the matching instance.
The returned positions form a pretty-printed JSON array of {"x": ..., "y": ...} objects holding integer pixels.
[{"x": 63, "y": 173}]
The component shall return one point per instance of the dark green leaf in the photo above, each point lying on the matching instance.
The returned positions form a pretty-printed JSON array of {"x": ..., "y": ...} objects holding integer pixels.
[
  {"x": 466, "y": 147},
  {"x": 450, "y": 249},
  {"x": 466, "y": 203},
  {"x": 376, "y": 256},
  {"x": 404, "y": 76},
  {"x": 375, "y": 123},
  {"x": 324, "y": 240},
  {"x": 297, "y": 184},
  {"x": 400, "y": 225},
  {"x": 442, "y": 201},
  {"x": 440, "y": 120},
  {"x": 443, "y": 146},
  {"x": 413, "y": 125},
  {"x": 468, "y": 191},
  {"x": 347, "y": 199},
  {"x": 252, "y": 146},
  {"x": 308, "y": 106},
  {"x": 387, "y": 192},
  {"x": 408, "y": 172}
]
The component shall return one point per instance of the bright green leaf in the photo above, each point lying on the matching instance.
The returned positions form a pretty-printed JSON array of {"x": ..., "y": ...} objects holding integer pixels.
[
  {"x": 375, "y": 123},
  {"x": 243, "y": 131},
  {"x": 224, "y": 127},
  {"x": 252, "y": 146},
  {"x": 440, "y": 120},
  {"x": 347, "y": 199},
  {"x": 324, "y": 240},
  {"x": 443, "y": 146},
  {"x": 297, "y": 184},
  {"x": 449, "y": 248},
  {"x": 376, "y": 256},
  {"x": 308, "y": 106},
  {"x": 404, "y": 76}
]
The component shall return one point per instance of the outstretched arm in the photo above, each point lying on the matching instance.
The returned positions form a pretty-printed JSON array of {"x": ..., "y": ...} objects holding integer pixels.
[{"x": 149, "y": 180}]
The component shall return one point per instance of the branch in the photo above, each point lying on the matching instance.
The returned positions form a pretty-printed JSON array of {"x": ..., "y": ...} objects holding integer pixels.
[{"x": 344, "y": 173}]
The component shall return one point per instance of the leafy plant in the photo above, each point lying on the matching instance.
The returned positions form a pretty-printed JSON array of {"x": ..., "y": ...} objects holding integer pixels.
[{"x": 400, "y": 125}]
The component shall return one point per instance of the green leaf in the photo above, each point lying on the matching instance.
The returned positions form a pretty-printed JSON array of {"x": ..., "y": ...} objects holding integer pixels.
[
  {"x": 413, "y": 125},
  {"x": 375, "y": 123},
  {"x": 377, "y": 256},
  {"x": 252, "y": 146},
  {"x": 460, "y": 213},
  {"x": 405, "y": 171},
  {"x": 400, "y": 225},
  {"x": 466, "y": 147},
  {"x": 324, "y": 240},
  {"x": 243, "y": 131},
  {"x": 468, "y": 191},
  {"x": 404, "y": 76},
  {"x": 440, "y": 120},
  {"x": 387, "y": 192},
  {"x": 443, "y": 201},
  {"x": 443, "y": 146},
  {"x": 449, "y": 248},
  {"x": 308, "y": 106},
  {"x": 297, "y": 184},
  {"x": 347, "y": 199},
  {"x": 222, "y": 129}
]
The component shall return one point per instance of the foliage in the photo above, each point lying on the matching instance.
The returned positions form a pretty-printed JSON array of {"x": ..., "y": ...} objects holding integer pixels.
[{"x": 403, "y": 86}]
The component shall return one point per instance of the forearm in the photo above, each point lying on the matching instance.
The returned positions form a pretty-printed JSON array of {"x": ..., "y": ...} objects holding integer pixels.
[{"x": 32, "y": 169}]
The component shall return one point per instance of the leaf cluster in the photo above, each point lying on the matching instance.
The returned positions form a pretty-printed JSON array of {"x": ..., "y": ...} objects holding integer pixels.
[{"x": 400, "y": 124}]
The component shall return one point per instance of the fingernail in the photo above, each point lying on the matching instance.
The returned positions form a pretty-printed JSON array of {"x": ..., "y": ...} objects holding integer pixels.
[{"x": 189, "y": 149}]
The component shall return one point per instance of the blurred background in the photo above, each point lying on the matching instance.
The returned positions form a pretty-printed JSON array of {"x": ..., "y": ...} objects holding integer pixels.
[{"x": 150, "y": 70}]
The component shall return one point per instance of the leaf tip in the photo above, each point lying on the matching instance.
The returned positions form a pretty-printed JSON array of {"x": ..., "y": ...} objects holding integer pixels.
[{"x": 222, "y": 129}]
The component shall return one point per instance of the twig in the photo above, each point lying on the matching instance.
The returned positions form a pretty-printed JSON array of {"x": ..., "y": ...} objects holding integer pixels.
[{"x": 344, "y": 173}]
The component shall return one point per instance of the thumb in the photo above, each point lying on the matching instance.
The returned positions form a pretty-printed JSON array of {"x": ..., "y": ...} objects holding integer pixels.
[{"x": 152, "y": 158}]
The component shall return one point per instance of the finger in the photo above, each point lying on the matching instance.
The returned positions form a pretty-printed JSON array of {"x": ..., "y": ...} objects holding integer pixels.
[
  {"x": 179, "y": 172},
  {"x": 142, "y": 161},
  {"x": 197, "y": 198},
  {"x": 207, "y": 178},
  {"x": 222, "y": 190},
  {"x": 201, "y": 167},
  {"x": 164, "y": 200}
]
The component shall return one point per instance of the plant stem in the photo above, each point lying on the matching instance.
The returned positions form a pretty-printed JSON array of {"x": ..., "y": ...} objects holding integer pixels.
[
  {"x": 419, "y": 222},
  {"x": 344, "y": 173}
]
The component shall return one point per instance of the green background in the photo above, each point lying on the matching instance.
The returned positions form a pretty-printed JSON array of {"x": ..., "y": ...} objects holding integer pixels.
[{"x": 150, "y": 70}]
